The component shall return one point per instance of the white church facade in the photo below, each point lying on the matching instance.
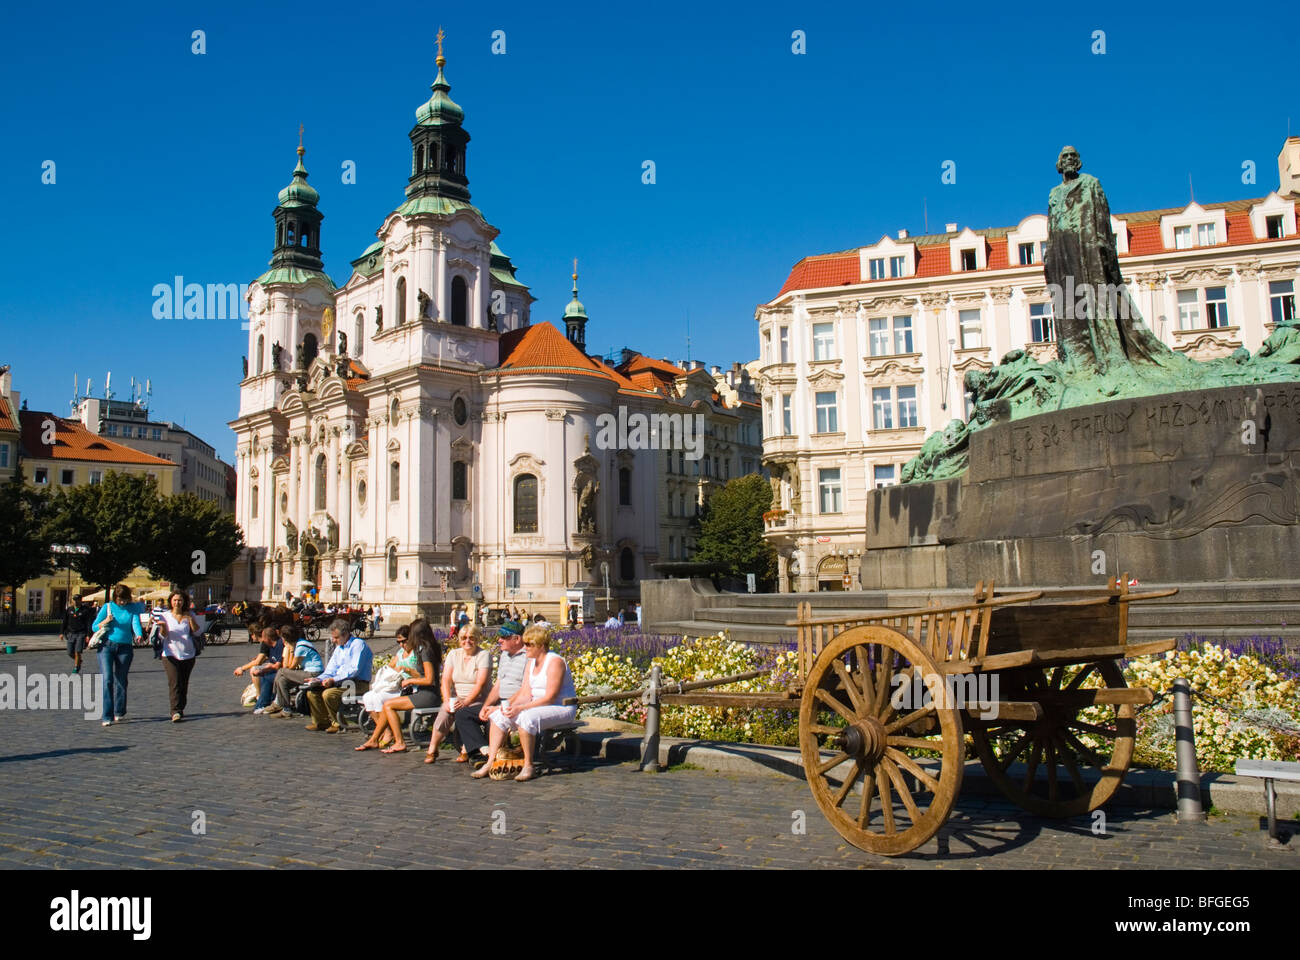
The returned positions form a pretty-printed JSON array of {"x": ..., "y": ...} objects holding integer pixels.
[{"x": 411, "y": 438}]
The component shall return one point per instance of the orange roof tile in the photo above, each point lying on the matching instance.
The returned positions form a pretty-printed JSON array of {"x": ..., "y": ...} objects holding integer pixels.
[
  {"x": 6, "y": 416},
  {"x": 72, "y": 441}
]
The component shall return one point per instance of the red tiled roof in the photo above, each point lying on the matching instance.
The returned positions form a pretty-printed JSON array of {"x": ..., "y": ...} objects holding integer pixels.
[
  {"x": 72, "y": 441},
  {"x": 932, "y": 250},
  {"x": 541, "y": 348},
  {"x": 6, "y": 416}
]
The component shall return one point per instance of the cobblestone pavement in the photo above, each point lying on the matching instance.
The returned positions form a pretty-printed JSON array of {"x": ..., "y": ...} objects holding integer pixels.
[{"x": 75, "y": 794}]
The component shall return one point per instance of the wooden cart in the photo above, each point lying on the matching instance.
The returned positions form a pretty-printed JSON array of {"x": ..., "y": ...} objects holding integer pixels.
[{"x": 892, "y": 693}]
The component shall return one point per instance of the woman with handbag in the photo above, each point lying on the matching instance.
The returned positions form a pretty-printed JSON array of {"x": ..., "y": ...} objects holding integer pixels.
[
  {"x": 386, "y": 684},
  {"x": 181, "y": 644},
  {"x": 420, "y": 692},
  {"x": 120, "y": 620}
]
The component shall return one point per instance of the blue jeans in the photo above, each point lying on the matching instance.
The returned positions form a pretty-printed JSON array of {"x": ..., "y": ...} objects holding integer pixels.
[
  {"x": 266, "y": 688},
  {"x": 114, "y": 663}
]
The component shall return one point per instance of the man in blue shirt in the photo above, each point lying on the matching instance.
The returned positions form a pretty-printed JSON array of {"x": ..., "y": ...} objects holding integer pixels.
[{"x": 352, "y": 660}]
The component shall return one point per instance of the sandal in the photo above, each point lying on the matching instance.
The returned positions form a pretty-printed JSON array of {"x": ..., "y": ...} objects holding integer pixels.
[
  {"x": 392, "y": 750},
  {"x": 462, "y": 757},
  {"x": 430, "y": 757},
  {"x": 367, "y": 746}
]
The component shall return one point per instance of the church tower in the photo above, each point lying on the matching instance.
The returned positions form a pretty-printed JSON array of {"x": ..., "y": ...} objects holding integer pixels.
[
  {"x": 438, "y": 143},
  {"x": 575, "y": 317}
]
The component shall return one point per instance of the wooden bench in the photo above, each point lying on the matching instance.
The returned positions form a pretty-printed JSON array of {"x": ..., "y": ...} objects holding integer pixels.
[{"x": 1268, "y": 771}]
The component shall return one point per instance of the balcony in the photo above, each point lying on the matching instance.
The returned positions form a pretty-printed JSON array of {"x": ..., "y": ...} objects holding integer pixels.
[{"x": 776, "y": 521}]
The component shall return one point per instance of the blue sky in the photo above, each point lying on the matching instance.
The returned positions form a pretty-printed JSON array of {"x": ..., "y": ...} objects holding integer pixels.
[{"x": 168, "y": 163}]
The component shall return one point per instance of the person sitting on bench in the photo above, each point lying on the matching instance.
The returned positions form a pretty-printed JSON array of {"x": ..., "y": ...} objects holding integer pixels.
[
  {"x": 302, "y": 663},
  {"x": 419, "y": 692},
  {"x": 536, "y": 706},
  {"x": 471, "y": 724},
  {"x": 352, "y": 660}
]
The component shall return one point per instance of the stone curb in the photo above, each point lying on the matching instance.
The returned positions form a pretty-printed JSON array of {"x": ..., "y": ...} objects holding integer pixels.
[{"x": 1147, "y": 789}]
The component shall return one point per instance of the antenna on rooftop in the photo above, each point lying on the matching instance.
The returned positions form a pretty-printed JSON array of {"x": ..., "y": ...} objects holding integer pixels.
[
  {"x": 1191, "y": 191},
  {"x": 108, "y": 385},
  {"x": 688, "y": 337}
]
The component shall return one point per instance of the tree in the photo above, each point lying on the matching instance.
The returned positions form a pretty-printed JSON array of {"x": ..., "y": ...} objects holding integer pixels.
[
  {"x": 114, "y": 518},
  {"x": 25, "y": 536},
  {"x": 191, "y": 537},
  {"x": 731, "y": 530}
]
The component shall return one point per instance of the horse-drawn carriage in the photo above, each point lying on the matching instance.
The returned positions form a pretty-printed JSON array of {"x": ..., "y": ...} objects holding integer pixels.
[
  {"x": 891, "y": 695},
  {"x": 254, "y": 615}
]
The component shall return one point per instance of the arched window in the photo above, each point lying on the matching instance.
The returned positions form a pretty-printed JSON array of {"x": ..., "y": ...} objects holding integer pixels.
[
  {"x": 433, "y": 156},
  {"x": 459, "y": 480},
  {"x": 359, "y": 334},
  {"x": 401, "y": 300},
  {"x": 361, "y": 567},
  {"x": 419, "y": 158},
  {"x": 291, "y": 238},
  {"x": 459, "y": 309},
  {"x": 320, "y": 481},
  {"x": 361, "y": 492},
  {"x": 284, "y": 502},
  {"x": 395, "y": 482},
  {"x": 392, "y": 411},
  {"x": 624, "y": 487},
  {"x": 392, "y": 564},
  {"x": 252, "y": 504},
  {"x": 309, "y": 349},
  {"x": 261, "y": 353},
  {"x": 279, "y": 570},
  {"x": 526, "y": 503},
  {"x": 305, "y": 239},
  {"x": 627, "y": 565}
]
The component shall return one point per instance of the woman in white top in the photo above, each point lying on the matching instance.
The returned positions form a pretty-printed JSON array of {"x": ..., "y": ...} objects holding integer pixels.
[
  {"x": 465, "y": 682},
  {"x": 179, "y": 628},
  {"x": 537, "y": 706}
]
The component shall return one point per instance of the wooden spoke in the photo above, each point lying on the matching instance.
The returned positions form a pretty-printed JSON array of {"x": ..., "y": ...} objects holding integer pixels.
[
  {"x": 916, "y": 743},
  {"x": 1055, "y": 682},
  {"x": 1032, "y": 764},
  {"x": 832, "y": 763},
  {"x": 848, "y": 783},
  {"x": 883, "y": 665},
  {"x": 886, "y": 805},
  {"x": 910, "y": 765},
  {"x": 910, "y": 719},
  {"x": 1050, "y": 749},
  {"x": 835, "y": 705},
  {"x": 864, "y": 809},
  {"x": 1082, "y": 749},
  {"x": 846, "y": 679},
  {"x": 1010, "y": 758},
  {"x": 1081, "y": 676},
  {"x": 822, "y": 728},
  {"x": 1067, "y": 757},
  {"x": 1106, "y": 732},
  {"x": 901, "y": 788},
  {"x": 864, "y": 676}
]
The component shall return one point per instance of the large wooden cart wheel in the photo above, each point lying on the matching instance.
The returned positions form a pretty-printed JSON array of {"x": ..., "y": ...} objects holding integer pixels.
[
  {"x": 1069, "y": 741},
  {"x": 888, "y": 753}
]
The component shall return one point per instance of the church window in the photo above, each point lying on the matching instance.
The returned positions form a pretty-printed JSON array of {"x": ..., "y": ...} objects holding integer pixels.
[
  {"x": 261, "y": 353},
  {"x": 401, "y": 300},
  {"x": 320, "y": 481},
  {"x": 359, "y": 333},
  {"x": 460, "y": 411},
  {"x": 627, "y": 565},
  {"x": 291, "y": 238},
  {"x": 526, "y": 504},
  {"x": 395, "y": 482},
  {"x": 361, "y": 492},
  {"x": 624, "y": 487},
  {"x": 392, "y": 564},
  {"x": 419, "y": 158},
  {"x": 284, "y": 502},
  {"x": 252, "y": 504},
  {"x": 459, "y": 486},
  {"x": 459, "y": 310},
  {"x": 309, "y": 349}
]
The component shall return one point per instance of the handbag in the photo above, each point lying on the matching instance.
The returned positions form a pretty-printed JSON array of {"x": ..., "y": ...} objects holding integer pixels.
[
  {"x": 100, "y": 636},
  {"x": 249, "y": 697},
  {"x": 386, "y": 680}
]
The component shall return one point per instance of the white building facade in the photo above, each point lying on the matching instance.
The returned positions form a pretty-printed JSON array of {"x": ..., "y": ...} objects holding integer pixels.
[{"x": 863, "y": 353}]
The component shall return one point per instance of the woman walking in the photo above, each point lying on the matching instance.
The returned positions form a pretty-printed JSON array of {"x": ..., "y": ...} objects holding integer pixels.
[
  {"x": 116, "y": 652},
  {"x": 179, "y": 628}
]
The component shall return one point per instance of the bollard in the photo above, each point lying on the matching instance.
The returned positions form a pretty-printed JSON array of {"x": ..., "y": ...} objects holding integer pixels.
[
  {"x": 1189, "y": 778},
  {"x": 650, "y": 742}
]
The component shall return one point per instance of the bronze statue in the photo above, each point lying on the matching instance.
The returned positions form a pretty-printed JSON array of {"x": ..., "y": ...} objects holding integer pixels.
[
  {"x": 290, "y": 535},
  {"x": 245, "y": 360}
]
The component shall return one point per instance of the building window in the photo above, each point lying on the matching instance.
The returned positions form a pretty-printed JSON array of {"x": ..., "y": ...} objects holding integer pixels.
[
  {"x": 4, "y": 455},
  {"x": 972, "y": 332},
  {"x": 1027, "y": 255},
  {"x": 1216, "y": 306},
  {"x": 320, "y": 481},
  {"x": 767, "y": 346},
  {"x": 1273, "y": 227},
  {"x": 458, "y": 477},
  {"x": 1182, "y": 238},
  {"x": 361, "y": 493},
  {"x": 627, "y": 565},
  {"x": 261, "y": 354},
  {"x": 394, "y": 482},
  {"x": 877, "y": 269},
  {"x": 359, "y": 332},
  {"x": 252, "y": 503},
  {"x": 1281, "y": 300},
  {"x": 828, "y": 487},
  {"x": 1189, "y": 309},
  {"x": 624, "y": 487},
  {"x": 906, "y": 406},
  {"x": 897, "y": 266},
  {"x": 460, "y": 411},
  {"x": 41, "y": 475},
  {"x": 670, "y": 461},
  {"x": 884, "y": 475},
  {"x": 882, "y": 409},
  {"x": 35, "y": 601},
  {"x": 96, "y": 476},
  {"x": 112, "y": 430},
  {"x": 459, "y": 302},
  {"x": 526, "y": 504},
  {"x": 823, "y": 341},
  {"x": 401, "y": 300},
  {"x": 881, "y": 343},
  {"x": 681, "y": 462},
  {"x": 392, "y": 564},
  {"x": 968, "y": 259},
  {"x": 827, "y": 418},
  {"x": 1205, "y": 235},
  {"x": 65, "y": 477},
  {"x": 785, "y": 344},
  {"x": 1040, "y": 323},
  {"x": 787, "y": 415}
]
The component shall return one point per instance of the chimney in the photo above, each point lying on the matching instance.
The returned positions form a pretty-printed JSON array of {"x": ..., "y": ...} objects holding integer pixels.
[
  {"x": 628, "y": 355},
  {"x": 950, "y": 228},
  {"x": 1288, "y": 168},
  {"x": 89, "y": 411},
  {"x": 715, "y": 370},
  {"x": 902, "y": 234}
]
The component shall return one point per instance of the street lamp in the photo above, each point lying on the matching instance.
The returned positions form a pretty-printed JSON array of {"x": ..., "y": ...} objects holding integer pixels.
[
  {"x": 943, "y": 375},
  {"x": 65, "y": 552}
]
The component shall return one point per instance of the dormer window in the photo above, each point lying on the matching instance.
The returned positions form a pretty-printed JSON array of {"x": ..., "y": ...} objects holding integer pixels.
[
  {"x": 877, "y": 268},
  {"x": 897, "y": 266},
  {"x": 1033, "y": 252},
  {"x": 1273, "y": 227},
  {"x": 968, "y": 259},
  {"x": 1205, "y": 235}
]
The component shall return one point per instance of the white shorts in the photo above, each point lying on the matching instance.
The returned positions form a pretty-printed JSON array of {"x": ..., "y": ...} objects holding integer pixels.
[{"x": 535, "y": 719}]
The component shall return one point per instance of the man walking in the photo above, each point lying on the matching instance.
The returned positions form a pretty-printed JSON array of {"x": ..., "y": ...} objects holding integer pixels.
[{"x": 76, "y": 624}]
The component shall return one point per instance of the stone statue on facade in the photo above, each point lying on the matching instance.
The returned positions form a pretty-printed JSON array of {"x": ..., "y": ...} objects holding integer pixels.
[
  {"x": 379, "y": 319},
  {"x": 290, "y": 535},
  {"x": 587, "y": 505},
  {"x": 424, "y": 303},
  {"x": 245, "y": 360},
  {"x": 343, "y": 344},
  {"x": 331, "y": 532},
  {"x": 277, "y": 352}
]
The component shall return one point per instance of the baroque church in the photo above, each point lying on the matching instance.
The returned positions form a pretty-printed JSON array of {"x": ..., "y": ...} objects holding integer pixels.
[{"x": 411, "y": 438}]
